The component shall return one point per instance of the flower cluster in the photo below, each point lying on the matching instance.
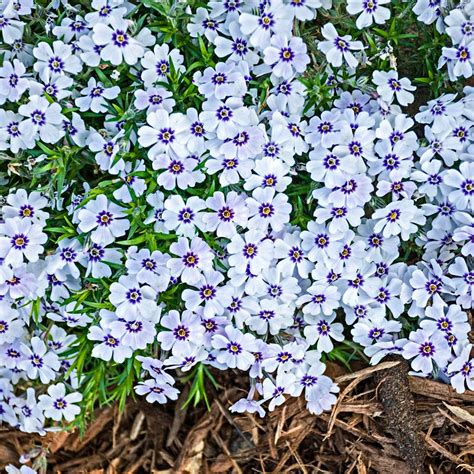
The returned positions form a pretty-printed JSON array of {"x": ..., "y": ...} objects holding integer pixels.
[{"x": 178, "y": 201}]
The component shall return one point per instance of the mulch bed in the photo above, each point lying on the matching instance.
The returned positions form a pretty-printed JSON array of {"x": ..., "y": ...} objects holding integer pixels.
[{"x": 384, "y": 422}]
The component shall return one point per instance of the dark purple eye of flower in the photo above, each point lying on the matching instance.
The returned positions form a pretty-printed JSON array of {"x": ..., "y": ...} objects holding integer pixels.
[
  {"x": 230, "y": 163},
  {"x": 461, "y": 133},
  {"x": 104, "y": 218},
  {"x": 224, "y": 113},
  {"x": 3, "y": 326},
  {"x": 207, "y": 292},
  {"x": 341, "y": 44},
  {"x": 181, "y": 332},
  {"x": 105, "y": 11},
  {"x": 283, "y": 357},
  {"x": 96, "y": 92},
  {"x": 166, "y": 135},
  {"x": 446, "y": 209},
  {"x": 323, "y": 327},
  {"x": 68, "y": 254},
  {"x": 284, "y": 88},
  {"x": 357, "y": 282},
  {"x": 318, "y": 299},
  {"x": 77, "y": 25},
  {"x": 27, "y": 412},
  {"x": 331, "y": 162},
  {"x": 469, "y": 278},
  {"x": 38, "y": 118},
  {"x": 190, "y": 259},
  {"x": 266, "y": 314},
  {"x": 155, "y": 99},
  {"x": 197, "y": 129},
  {"x": 239, "y": 46},
  {"x": 241, "y": 139},
  {"x": 294, "y": 129},
  {"x": 395, "y": 137},
  {"x": 433, "y": 286},
  {"x": 149, "y": 264},
  {"x": 13, "y": 354},
  {"x": 467, "y": 187},
  {"x": 381, "y": 269},
  {"x": 176, "y": 167},
  {"x": 13, "y": 80},
  {"x": 250, "y": 251},
  {"x": 383, "y": 295},
  {"x": 356, "y": 107},
  {"x": 36, "y": 361},
  {"x": 56, "y": 64},
  {"x": 234, "y": 348},
  {"x": 60, "y": 404},
  {"x": 271, "y": 149},
  {"x": 111, "y": 341},
  {"x": 427, "y": 349},
  {"x": 209, "y": 24},
  {"x": 308, "y": 380},
  {"x": 134, "y": 326},
  {"x": 269, "y": 181},
  {"x": 235, "y": 306},
  {"x": 134, "y": 295},
  {"x": 360, "y": 311},
  {"x": 444, "y": 324},
  {"x": 355, "y": 148},
  {"x": 53, "y": 280},
  {"x": 186, "y": 215},
  {"x": 370, "y": 6},
  {"x": 226, "y": 214},
  {"x": 349, "y": 187},
  {"x": 19, "y": 241},
  {"x": 219, "y": 79},
  {"x": 296, "y": 254},
  {"x": 162, "y": 67},
  {"x": 391, "y": 161},
  {"x": 13, "y": 281},
  {"x": 231, "y": 5},
  {"x": 466, "y": 369},
  {"x": 108, "y": 148},
  {"x": 438, "y": 109},
  {"x": 325, "y": 128},
  {"x": 345, "y": 253},
  {"x": 394, "y": 84},
  {"x": 26, "y": 211},
  {"x": 209, "y": 325},
  {"x": 339, "y": 212},
  {"x": 266, "y": 21},
  {"x": 266, "y": 210},
  {"x": 434, "y": 179},
  {"x": 463, "y": 54},
  {"x": 466, "y": 28},
  {"x": 120, "y": 38},
  {"x": 376, "y": 333},
  {"x": 96, "y": 253},
  {"x": 275, "y": 291},
  {"x": 13, "y": 130},
  {"x": 322, "y": 240},
  {"x": 287, "y": 55},
  {"x": 375, "y": 240},
  {"x": 393, "y": 215}
]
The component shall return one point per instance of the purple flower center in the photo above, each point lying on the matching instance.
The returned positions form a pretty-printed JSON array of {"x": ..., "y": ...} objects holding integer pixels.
[
  {"x": 190, "y": 260},
  {"x": 56, "y": 64},
  {"x": 186, "y": 215},
  {"x": 226, "y": 214},
  {"x": 104, "y": 218},
  {"x": 181, "y": 332},
  {"x": 427, "y": 349},
  {"x": 234, "y": 348},
  {"x": 19, "y": 241},
  {"x": 120, "y": 38},
  {"x": 134, "y": 296}
]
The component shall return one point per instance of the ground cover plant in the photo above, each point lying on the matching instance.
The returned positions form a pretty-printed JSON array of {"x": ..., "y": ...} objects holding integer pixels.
[{"x": 252, "y": 186}]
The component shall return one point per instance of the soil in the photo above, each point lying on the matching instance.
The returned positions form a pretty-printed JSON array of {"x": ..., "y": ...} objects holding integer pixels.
[{"x": 384, "y": 422}]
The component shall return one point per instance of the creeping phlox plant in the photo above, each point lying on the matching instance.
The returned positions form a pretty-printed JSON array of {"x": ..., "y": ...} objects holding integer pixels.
[{"x": 192, "y": 185}]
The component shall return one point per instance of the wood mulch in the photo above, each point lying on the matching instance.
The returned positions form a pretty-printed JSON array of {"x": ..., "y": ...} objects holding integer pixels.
[{"x": 384, "y": 422}]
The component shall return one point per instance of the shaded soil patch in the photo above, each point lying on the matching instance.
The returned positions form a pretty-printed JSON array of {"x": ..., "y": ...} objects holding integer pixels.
[{"x": 384, "y": 422}]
